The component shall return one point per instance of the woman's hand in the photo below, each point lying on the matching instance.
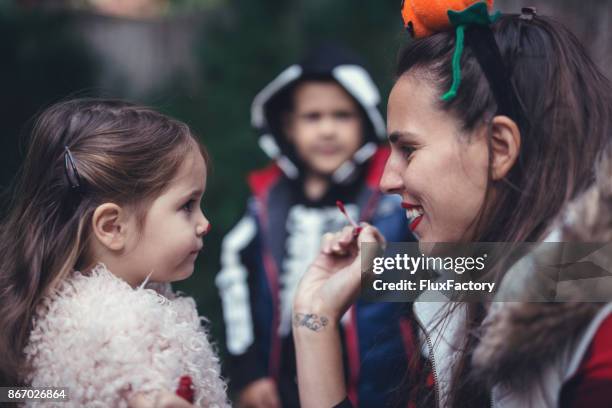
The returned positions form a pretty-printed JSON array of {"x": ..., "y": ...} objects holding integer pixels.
[
  {"x": 332, "y": 282},
  {"x": 327, "y": 289}
]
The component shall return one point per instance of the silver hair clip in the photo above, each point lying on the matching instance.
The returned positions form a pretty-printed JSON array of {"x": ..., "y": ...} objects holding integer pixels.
[
  {"x": 528, "y": 13},
  {"x": 71, "y": 170}
]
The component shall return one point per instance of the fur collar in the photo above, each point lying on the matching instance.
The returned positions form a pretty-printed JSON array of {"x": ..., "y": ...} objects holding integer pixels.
[{"x": 520, "y": 338}]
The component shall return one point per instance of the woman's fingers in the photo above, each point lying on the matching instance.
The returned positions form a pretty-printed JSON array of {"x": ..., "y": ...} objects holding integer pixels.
[
  {"x": 326, "y": 242},
  {"x": 371, "y": 234},
  {"x": 371, "y": 244},
  {"x": 338, "y": 243},
  {"x": 341, "y": 240},
  {"x": 348, "y": 240},
  {"x": 348, "y": 236}
]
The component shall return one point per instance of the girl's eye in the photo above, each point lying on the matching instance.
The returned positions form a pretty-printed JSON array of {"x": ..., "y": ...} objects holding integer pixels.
[{"x": 188, "y": 206}]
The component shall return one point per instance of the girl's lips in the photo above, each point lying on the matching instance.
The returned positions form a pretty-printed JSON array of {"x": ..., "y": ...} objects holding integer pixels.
[{"x": 196, "y": 252}]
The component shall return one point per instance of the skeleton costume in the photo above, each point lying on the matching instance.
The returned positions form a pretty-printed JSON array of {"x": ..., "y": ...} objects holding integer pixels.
[{"x": 266, "y": 253}]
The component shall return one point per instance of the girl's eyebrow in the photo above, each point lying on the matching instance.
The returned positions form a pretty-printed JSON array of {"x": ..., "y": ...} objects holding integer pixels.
[{"x": 196, "y": 192}]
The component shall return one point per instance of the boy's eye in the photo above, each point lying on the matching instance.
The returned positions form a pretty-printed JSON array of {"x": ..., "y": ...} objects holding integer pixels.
[
  {"x": 311, "y": 116},
  {"x": 344, "y": 115}
]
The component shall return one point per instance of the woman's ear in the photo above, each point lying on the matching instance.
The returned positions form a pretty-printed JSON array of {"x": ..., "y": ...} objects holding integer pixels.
[
  {"x": 505, "y": 146},
  {"x": 110, "y": 226}
]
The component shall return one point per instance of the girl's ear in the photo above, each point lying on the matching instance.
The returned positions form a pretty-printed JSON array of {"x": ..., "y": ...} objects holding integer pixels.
[
  {"x": 109, "y": 223},
  {"x": 505, "y": 146}
]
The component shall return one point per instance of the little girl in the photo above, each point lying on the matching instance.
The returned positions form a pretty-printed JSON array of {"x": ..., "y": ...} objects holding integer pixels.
[{"x": 105, "y": 214}]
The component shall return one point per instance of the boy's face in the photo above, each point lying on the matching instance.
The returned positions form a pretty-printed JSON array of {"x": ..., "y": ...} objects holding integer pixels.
[{"x": 325, "y": 126}]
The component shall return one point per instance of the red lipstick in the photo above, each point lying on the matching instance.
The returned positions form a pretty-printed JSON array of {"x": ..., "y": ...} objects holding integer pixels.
[
  {"x": 414, "y": 224},
  {"x": 409, "y": 206},
  {"x": 341, "y": 207}
]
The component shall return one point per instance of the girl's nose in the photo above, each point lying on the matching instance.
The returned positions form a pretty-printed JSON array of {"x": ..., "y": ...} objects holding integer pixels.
[
  {"x": 391, "y": 181},
  {"x": 204, "y": 226},
  {"x": 203, "y": 229}
]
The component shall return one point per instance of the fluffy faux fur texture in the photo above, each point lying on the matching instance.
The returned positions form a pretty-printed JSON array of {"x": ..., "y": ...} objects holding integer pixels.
[
  {"x": 105, "y": 340},
  {"x": 520, "y": 338}
]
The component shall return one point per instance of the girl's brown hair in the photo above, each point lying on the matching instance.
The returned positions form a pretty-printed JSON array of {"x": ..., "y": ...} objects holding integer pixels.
[
  {"x": 123, "y": 153},
  {"x": 565, "y": 124}
]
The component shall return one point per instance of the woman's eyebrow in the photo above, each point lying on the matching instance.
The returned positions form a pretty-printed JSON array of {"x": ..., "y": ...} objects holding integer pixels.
[{"x": 395, "y": 136}]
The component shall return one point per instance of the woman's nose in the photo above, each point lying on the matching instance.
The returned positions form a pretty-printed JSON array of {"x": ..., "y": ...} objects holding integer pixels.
[{"x": 391, "y": 181}]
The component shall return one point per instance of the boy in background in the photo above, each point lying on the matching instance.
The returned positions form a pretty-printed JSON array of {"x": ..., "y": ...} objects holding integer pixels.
[{"x": 319, "y": 122}]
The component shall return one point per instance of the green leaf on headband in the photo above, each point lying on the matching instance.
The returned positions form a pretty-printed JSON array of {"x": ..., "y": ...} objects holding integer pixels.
[{"x": 477, "y": 13}]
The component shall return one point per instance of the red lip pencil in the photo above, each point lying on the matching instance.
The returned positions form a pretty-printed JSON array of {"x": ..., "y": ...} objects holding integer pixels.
[{"x": 341, "y": 207}]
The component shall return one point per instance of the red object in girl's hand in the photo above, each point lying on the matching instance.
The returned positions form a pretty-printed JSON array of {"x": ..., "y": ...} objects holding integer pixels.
[{"x": 185, "y": 389}]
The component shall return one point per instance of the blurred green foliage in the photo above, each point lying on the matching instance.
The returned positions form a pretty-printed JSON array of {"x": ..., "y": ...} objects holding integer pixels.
[{"x": 241, "y": 46}]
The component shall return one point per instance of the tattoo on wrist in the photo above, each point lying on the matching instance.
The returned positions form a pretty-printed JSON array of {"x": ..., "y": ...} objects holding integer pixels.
[{"x": 310, "y": 321}]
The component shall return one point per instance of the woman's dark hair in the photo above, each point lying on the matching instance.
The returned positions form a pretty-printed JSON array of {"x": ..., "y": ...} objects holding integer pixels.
[
  {"x": 122, "y": 153},
  {"x": 566, "y": 106}
]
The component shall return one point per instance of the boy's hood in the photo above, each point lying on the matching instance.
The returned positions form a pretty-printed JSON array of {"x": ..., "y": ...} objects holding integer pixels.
[{"x": 326, "y": 62}]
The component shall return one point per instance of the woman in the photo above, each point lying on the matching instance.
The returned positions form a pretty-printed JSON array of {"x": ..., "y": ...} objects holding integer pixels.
[{"x": 499, "y": 162}]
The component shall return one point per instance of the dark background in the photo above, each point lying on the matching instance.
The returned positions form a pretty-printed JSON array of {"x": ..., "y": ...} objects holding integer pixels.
[{"x": 203, "y": 61}]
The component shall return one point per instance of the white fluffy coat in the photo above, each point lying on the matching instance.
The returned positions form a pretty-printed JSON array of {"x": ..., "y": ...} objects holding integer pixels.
[{"x": 104, "y": 340}]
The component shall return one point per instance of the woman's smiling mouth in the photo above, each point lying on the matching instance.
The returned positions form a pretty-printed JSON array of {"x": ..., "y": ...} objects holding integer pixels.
[{"x": 414, "y": 213}]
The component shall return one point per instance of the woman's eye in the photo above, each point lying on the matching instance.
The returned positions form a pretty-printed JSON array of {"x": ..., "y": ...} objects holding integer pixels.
[{"x": 407, "y": 151}]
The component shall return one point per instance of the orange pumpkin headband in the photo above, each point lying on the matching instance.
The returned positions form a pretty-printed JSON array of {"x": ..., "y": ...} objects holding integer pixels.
[{"x": 472, "y": 24}]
